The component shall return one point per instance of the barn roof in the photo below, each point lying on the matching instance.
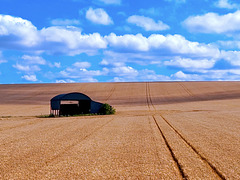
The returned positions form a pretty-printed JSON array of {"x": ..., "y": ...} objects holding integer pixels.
[
  {"x": 74, "y": 96},
  {"x": 71, "y": 96}
]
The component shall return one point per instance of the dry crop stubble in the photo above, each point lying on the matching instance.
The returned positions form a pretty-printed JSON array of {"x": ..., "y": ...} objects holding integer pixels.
[
  {"x": 44, "y": 145},
  {"x": 128, "y": 144},
  {"x": 215, "y": 135},
  {"x": 183, "y": 152},
  {"x": 125, "y": 147},
  {"x": 190, "y": 162}
]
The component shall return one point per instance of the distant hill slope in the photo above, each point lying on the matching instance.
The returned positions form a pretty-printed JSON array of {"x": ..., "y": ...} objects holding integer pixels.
[{"x": 122, "y": 93}]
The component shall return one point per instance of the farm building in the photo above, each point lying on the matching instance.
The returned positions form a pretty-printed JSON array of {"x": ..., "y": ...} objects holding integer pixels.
[{"x": 73, "y": 103}]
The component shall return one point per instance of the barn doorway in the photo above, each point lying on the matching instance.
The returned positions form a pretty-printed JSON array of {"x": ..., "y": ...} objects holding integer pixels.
[{"x": 75, "y": 107}]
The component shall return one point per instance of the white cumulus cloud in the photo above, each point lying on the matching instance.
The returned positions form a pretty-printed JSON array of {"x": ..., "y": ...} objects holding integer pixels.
[
  {"x": 142, "y": 75},
  {"x": 161, "y": 45},
  {"x": 118, "y": 2},
  {"x": 219, "y": 75},
  {"x": 129, "y": 42},
  {"x": 177, "y": 44},
  {"x": 226, "y": 4},
  {"x": 57, "y": 64},
  {"x": 65, "y": 81},
  {"x": 125, "y": 71},
  {"x": 2, "y": 60},
  {"x": 71, "y": 41},
  {"x": 82, "y": 65},
  {"x": 24, "y": 31},
  {"x": 20, "y": 34},
  {"x": 65, "y": 22},
  {"x": 151, "y": 11},
  {"x": 150, "y": 75},
  {"x": 75, "y": 73},
  {"x": 147, "y": 23},
  {"x": 34, "y": 60},
  {"x": 30, "y": 77},
  {"x": 231, "y": 56},
  {"x": 26, "y": 68},
  {"x": 181, "y": 76},
  {"x": 188, "y": 63},
  {"x": 98, "y": 16},
  {"x": 79, "y": 73},
  {"x": 122, "y": 72},
  {"x": 176, "y": 1},
  {"x": 214, "y": 23}
]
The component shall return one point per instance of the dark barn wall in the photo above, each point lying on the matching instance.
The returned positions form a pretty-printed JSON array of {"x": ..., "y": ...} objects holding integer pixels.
[
  {"x": 85, "y": 104},
  {"x": 95, "y": 107}
]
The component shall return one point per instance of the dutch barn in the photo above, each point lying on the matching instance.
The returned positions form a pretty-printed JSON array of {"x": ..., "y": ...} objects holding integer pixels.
[{"x": 73, "y": 103}]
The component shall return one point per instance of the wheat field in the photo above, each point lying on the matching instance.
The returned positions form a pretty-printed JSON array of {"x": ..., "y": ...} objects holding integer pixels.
[{"x": 161, "y": 130}]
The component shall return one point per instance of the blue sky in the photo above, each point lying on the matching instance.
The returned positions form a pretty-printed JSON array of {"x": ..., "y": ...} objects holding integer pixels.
[{"x": 119, "y": 41}]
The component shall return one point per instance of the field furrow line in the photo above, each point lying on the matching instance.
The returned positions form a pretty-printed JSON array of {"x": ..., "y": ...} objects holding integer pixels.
[
  {"x": 186, "y": 89},
  {"x": 184, "y": 176},
  {"x": 210, "y": 165},
  {"x": 150, "y": 98},
  {"x": 150, "y": 103},
  {"x": 111, "y": 93},
  {"x": 147, "y": 98},
  {"x": 180, "y": 167}
]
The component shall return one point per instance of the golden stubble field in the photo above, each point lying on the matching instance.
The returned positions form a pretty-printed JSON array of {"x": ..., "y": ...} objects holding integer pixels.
[{"x": 162, "y": 130}]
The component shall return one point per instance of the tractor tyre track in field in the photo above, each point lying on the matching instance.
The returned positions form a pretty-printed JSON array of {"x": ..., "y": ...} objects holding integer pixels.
[
  {"x": 179, "y": 165},
  {"x": 111, "y": 93},
  {"x": 195, "y": 150},
  {"x": 148, "y": 97},
  {"x": 184, "y": 176},
  {"x": 150, "y": 104},
  {"x": 186, "y": 90}
]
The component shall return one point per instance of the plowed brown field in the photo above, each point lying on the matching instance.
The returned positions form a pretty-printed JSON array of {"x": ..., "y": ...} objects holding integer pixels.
[{"x": 162, "y": 130}]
